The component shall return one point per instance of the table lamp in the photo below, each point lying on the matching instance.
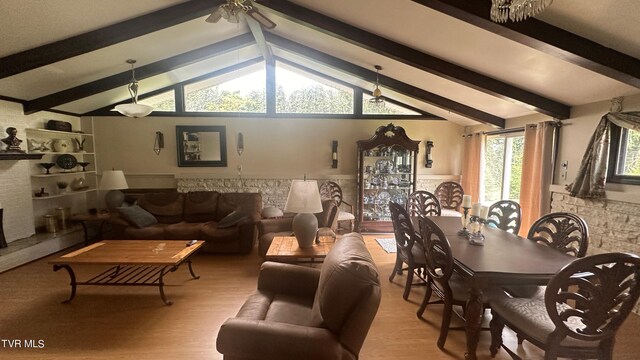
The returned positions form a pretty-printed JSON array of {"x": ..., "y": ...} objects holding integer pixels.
[
  {"x": 114, "y": 181},
  {"x": 304, "y": 199}
]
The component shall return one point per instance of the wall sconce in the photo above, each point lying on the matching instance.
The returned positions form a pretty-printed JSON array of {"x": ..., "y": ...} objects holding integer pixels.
[
  {"x": 429, "y": 158},
  {"x": 240, "y": 144},
  {"x": 334, "y": 154},
  {"x": 159, "y": 142}
]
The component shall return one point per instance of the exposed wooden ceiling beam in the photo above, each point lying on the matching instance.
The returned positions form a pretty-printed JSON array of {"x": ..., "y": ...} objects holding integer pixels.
[
  {"x": 546, "y": 38},
  {"x": 386, "y": 81},
  {"x": 103, "y": 37},
  {"x": 415, "y": 58},
  {"x": 143, "y": 72}
]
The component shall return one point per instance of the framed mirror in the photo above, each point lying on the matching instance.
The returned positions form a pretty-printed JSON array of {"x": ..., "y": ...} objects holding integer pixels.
[{"x": 201, "y": 146}]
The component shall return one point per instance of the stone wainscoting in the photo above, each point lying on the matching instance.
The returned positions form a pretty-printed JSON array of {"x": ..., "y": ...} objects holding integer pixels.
[
  {"x": 274, "y": 191},
  {"x": 614, "y": 226}
]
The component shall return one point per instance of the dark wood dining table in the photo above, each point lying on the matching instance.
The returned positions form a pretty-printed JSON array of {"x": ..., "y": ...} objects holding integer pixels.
[{"x": 505, "y": 259}]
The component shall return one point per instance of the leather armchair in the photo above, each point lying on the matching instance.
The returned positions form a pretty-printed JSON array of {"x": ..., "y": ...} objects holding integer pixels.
[
  {"x": 270, "y": 228},
  {"x": 307, "y": 313}
]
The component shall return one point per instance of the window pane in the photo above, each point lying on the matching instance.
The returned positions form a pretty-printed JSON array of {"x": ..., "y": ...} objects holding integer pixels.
[
  {"x": 239, "y": 91},
  {"x": 300, "y": 92},
  {"x": 630, "y": 165},
  {"x": 387, "y": 108},
  {"x": 517, "y": 152},
  {"x": 161, "y": 102},
  {"x": 494, "y": 167}
]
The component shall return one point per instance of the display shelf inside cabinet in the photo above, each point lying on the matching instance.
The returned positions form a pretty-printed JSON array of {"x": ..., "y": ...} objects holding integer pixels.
[
  {"x": 56, "y": 132},
  {"x": 20, "y": 156}
]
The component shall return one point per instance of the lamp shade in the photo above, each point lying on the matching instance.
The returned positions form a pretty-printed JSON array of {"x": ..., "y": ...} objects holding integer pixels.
[
  {"x": 134, "y": 110},
  {"x": 113, "y": 180},
  {"x": 304, "y": 197}
]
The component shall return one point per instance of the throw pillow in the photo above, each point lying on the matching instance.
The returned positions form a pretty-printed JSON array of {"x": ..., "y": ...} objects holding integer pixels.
[
  {"x": 232, "y": 219},
  {"x": 137, "y": 216}
]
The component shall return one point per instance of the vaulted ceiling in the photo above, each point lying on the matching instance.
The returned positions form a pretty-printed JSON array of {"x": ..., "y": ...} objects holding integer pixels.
[{"x": 441, "y": 56}]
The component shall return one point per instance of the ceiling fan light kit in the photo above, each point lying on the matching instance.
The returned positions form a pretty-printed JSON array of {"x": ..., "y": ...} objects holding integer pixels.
[
  {"x": 134, "y": 109},
  {"x": 232, "y": 10},
  {"x": 516, "y": 10}
]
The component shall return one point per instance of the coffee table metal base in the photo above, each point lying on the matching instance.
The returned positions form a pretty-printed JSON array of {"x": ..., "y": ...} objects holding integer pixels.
[{"x": 126, "y": 275}]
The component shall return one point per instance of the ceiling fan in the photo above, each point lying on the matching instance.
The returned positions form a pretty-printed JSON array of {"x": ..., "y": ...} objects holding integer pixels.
[{"x": 233, "y": 8}]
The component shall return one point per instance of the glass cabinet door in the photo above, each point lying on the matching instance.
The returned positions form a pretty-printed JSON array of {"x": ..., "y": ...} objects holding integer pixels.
[{"x": 387, "y": 176}]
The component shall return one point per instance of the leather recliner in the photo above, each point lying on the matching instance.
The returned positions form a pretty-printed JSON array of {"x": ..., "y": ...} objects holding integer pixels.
[{"x": 306, "y": 313}]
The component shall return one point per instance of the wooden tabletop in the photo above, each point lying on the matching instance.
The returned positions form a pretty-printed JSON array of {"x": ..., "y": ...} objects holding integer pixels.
[
  {"x": 503, "y": 256},
  {"x": 131, "y": 252},
  {"x": 286, "y": 247}
]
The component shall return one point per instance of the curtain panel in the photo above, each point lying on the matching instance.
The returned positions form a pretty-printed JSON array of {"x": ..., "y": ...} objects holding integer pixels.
[
  {"x": 592, "y": 175},
  {"x": 537, "y": 169},
  {"x": 472, "y": 164}
]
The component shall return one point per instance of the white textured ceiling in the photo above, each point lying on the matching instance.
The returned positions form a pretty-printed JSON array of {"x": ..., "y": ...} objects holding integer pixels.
[{"x": 612, "y": 23}]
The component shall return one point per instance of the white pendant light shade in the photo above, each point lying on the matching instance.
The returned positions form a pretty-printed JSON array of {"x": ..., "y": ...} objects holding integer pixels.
[{"x": 134, "y": 110}]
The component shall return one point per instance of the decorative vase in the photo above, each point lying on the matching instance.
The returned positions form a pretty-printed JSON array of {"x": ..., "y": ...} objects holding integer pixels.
[
  {"x": 62, "y": 145},
  {"x": 79, "y": 184}
]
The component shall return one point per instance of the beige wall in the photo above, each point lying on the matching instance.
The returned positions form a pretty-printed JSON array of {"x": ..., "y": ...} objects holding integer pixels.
[{"x": 272, "y": 147}]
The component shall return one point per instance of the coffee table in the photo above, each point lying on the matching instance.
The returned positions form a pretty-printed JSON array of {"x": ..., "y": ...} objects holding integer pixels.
[
  {"x": 286, "y": 249},
  {"x": 135, "y": 262}
]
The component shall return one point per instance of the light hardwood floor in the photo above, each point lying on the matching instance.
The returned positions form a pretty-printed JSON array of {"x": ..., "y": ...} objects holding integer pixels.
[{"x": 132, "y": 323}]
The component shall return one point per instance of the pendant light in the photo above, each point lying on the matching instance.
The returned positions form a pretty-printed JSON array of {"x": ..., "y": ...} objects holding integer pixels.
[
  {"x": 134, "y": 109},
  {"x": 377, "y": 98}
]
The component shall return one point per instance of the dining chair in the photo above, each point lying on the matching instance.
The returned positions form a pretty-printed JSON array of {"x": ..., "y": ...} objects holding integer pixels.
[
  {"x": 565, "y": 232},
  {"x": 505, "y": 215},
  {"x": 583, "y": 307},
  {"x": 450, "y": 287},
  {"x": 409, "y": 249},
  {"x": 449, "y": 193},
  {"x": 331, "y": 190},
  {"x": 423, "y": 203}
]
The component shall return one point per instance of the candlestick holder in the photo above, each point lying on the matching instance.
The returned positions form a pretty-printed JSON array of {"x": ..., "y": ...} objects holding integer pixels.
[
  {"x": 476, "y": 237},
  {"x": 465, "y": 222}
]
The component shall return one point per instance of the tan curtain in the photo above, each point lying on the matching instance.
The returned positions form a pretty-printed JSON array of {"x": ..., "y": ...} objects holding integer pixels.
[
  {"x": 471, "y": 164},
  {"x": 537, "y": 167}
]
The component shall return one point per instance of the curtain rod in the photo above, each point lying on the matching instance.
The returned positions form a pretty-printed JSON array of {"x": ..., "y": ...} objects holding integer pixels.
[{"x": 555, "y": 123}]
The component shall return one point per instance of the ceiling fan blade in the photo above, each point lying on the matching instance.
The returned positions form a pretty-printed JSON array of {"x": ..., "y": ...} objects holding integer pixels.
[
  {"x": 261, "y": 19},
  {"x": 215, "y": 16}
]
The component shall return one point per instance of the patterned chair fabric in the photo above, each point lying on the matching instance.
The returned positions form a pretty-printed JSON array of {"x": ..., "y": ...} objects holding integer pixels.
[{"x": 331, "y": 190}]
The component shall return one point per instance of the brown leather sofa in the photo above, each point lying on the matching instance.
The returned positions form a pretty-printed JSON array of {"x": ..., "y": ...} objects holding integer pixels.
[
  {"x": 197, "y": 215},
  {"x": 306, "y": 313},
  {"x": 270, "y": 228}
]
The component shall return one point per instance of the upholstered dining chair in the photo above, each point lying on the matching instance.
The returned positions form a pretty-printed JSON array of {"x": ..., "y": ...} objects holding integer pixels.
[
  {"x": 423, "y": 203},
  {"x": 450, "y": 287},
  {"x": 565, "y": 232},
  {"x": 583, "y": 306},
  {"x": 505, "y": 215},
  {"x": 331, "y": 190},
  {"x": 449, "y": 193},
  {"x": 409, "y": 249}
]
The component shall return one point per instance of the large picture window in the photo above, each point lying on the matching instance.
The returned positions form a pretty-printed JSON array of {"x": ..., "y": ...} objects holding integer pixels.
[
  {"x": 503, "y": 168},
  {"x": 624, "y": 156}
]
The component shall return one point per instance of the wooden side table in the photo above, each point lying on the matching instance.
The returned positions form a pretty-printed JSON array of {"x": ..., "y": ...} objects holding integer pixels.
[
  {"x": 85, "y": 219},
  {"x": 286, "y": 249}
]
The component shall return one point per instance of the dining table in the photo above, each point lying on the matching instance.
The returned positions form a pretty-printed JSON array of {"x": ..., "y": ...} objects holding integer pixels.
[{"x": 504, "y": 259}]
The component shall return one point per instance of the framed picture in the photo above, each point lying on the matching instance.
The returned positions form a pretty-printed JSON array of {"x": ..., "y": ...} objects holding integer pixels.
[{"x": 201, "y": 146}]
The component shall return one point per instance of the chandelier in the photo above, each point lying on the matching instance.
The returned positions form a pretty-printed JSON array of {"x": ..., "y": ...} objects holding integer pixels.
[
  {"x": 516, "y": 10},
  {"x": 377, "y": 98},
  {"x": 134, "y": 109}
]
